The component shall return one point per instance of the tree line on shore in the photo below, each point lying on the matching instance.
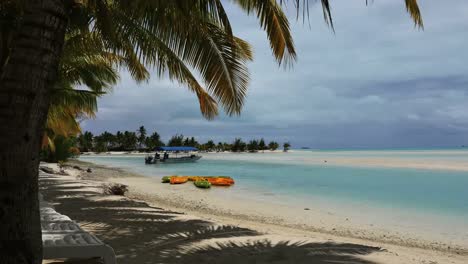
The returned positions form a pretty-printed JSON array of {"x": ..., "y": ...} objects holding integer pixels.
[{"x": 141, "y": 140}]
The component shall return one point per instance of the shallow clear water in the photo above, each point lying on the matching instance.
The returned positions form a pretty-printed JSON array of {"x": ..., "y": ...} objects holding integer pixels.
[{"x": 289, "y": 175}]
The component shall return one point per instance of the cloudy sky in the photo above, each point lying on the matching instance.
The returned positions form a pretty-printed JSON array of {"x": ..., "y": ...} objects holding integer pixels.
[{"x": 377, "y": 82}]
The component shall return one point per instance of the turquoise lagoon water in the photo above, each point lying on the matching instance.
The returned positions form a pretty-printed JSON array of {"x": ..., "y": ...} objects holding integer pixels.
[{"x": 290, "y": 175}]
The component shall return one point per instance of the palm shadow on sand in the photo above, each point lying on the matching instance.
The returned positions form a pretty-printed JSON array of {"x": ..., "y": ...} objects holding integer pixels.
[{"x": 142, "y": 234}]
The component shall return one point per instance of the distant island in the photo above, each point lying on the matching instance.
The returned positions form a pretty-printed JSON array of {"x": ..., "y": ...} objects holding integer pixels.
[{"x": 142, "y": 141}]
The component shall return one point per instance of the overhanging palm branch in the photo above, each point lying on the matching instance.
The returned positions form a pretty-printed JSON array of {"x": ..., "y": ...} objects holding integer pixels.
[
  {"x": 194, "y": 40},
  {"x": 157, "y": 19},
  {"x": 413, "y": 9},
  {"x": 86, "y": 63},
  {"x": 66, "y": 105},
  {"x": 276, "y": 24},
  {"x": 163, "y": 59},
  {"x": 199, "y": 34}
]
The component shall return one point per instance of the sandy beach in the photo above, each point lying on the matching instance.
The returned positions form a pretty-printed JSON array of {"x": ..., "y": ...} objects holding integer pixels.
[
  {"x": 396, "y": 159},
  {"x": 158, "y": 223}
]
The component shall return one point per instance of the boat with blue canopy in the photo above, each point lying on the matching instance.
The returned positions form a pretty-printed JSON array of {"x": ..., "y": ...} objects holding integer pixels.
[{"x": 180, "y": 154}]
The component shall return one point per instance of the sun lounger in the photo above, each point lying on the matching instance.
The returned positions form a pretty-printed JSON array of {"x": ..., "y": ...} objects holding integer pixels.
[
  {"x": 56, "y": 217},
  {"x": 63, "y": 238},
  {"x": 76, "y": 245},
  {"x": 61, "y": 227}
]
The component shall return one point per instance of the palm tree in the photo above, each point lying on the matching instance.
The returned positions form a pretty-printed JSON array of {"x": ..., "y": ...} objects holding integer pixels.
[
  {"x": 273, "y": 145},
  {"x": 286, "y": 146},
  {"x": 154, "y": 141},
  {"x": 129, "y": 140},
  {"x": 262, "y": 145},
  {"x": 210, "y": 145},
  {"x": 252, "y": 146},
  {"x": 119, "y": 140},
  {"x": 176, "y": 140},
  {"x": 141, "y": 136},
  {"x": 158, "y": 36},
  {"x": 85, "y": 141},
  {"x": 238, "y": 145}
]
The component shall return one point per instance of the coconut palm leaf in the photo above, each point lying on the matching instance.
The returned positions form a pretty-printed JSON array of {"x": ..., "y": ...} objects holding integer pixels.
[
  {"x": 413, "y": 9},
  {"x": 218, "y": 57},
  {"x": 276, "y": 24}
]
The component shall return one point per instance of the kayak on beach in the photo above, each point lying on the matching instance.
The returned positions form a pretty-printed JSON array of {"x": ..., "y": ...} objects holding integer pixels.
[
  {"x": 202, "y": 184},
  {"x": 220, "y": 181},
  {"x": 200, "y": 181},
  {"x": 178, "y": 180},
  {"x": 166, "y": 179}
]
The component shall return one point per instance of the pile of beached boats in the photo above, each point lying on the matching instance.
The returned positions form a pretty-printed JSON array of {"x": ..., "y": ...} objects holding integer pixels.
[{"x": 200, "y": 181}]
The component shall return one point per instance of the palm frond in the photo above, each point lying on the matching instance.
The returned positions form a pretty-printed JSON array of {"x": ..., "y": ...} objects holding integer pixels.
[
  {"x": 219, "y": 58},
  {"x": 413, "y": 9},
  {"x": 327, "y": 13},
  {"x": 61, "y": 121},
  {"x": 75, "y": 100},
  {"x": 47, "y": 142},
  {"x": 275, "y": 23},
  {"x": 163, "y": 59}
]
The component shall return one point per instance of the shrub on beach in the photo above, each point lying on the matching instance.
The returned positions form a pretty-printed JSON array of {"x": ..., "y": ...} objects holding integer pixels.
[
  {"x": 115, "y": 189},
  {"x": 63, "y": 149}
]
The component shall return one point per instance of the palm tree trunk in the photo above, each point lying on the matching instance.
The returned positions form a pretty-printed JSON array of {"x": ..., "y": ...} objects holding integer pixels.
[{"x": 30, "y": 71}]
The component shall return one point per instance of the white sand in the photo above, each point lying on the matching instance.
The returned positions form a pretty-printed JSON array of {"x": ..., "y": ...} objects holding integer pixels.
[{"x": 417, "y": 159}]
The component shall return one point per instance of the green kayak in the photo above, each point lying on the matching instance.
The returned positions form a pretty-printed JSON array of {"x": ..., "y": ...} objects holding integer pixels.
[
  {"x": 166, "y": 179},
  {"x": 202, "y": 184}
]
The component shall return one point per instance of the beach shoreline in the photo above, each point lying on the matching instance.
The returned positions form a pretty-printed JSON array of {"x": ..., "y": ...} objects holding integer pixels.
[
  {"x": 264, "y": 216},
  {"x": 349, "y": 159}
]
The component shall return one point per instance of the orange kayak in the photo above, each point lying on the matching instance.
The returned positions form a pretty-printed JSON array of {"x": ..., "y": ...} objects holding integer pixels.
[
  {"x": 178, "y": 180},
  {"x": 214, "y": 180},
  {"x": 201, "y": 178},
  {"x": 196, "y": 178},
  {"x": 220, "y": 181}
]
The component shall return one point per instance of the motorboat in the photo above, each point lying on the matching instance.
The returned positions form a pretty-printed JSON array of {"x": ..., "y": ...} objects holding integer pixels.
[{"x": 173, "y": 155}]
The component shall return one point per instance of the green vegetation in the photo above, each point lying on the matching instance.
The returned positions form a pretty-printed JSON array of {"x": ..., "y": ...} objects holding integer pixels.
[
  {"x": 138, "y": 141},
  {"x": 153, "y": 141},
  {"x": 64, "y": 148},
  {"x": 273, "y": 145},
  {"x": 286, "y": 146}
]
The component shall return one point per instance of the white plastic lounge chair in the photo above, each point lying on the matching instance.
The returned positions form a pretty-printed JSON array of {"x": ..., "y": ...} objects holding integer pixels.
[
  {"x": 61, "y": 227},
  {"x": 48, "y": 214},
  {"x": 54, "y": 217},
  {"x": 47, "y": 210},
  {"x": 76, "y": 245},
  {"x": 63, "y": 238}
]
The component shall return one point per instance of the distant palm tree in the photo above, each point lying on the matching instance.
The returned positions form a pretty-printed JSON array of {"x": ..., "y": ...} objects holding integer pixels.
[
  {"x": 262, "y": 145},
  {"x": 286, "y": 146},
  {"x": 141, "y": 136},
  {"x": 165, "y": 37},
  {"x": 85, "y": 141},
  {"x": 154, "y": 141}
]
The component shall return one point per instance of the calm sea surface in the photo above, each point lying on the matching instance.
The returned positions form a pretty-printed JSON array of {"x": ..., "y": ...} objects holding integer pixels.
[{"x": 292, "y": 175}]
